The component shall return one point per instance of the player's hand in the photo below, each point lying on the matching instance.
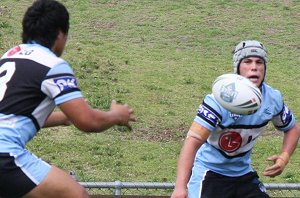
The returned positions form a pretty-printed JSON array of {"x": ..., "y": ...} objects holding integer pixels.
[
  {"x": 125, "y": 113},
  {"x": 179, "y": 193},
  {"x": 277, "y": 168}
]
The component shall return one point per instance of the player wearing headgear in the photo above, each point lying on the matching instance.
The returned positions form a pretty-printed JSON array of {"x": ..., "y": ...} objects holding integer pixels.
[
  {"x": 246, "y": 49},
  {"x": 215, "y": 160},
  {"x": 33, "y": 81}
]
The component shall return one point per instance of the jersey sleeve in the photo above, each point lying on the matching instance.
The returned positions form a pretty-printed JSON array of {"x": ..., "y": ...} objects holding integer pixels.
[
  {"x": 60, "y": 84},
  {"x": 285, "y": 120},
  {"x": 209, "y": 113}
]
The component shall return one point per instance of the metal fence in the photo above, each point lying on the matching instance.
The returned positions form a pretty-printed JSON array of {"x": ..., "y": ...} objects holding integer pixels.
[{"x": 165, "y": 189}]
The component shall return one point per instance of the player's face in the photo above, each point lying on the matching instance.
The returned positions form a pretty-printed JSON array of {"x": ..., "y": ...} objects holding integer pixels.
[{"x": 254, "y": 69}]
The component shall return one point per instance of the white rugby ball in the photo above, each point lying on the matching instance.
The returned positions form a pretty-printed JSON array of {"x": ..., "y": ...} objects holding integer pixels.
[{"x": 237, "y": 94}]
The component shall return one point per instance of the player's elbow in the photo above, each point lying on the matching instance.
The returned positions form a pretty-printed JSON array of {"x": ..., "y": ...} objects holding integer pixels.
[
  {"x": 88, "y": 127},
  {"x": 92, "y": 124},
  {"x": 94, "y": 121}
]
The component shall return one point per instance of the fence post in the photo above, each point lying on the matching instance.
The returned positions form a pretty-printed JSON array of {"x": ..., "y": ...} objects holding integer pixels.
[{"x": 118, "y": 186}]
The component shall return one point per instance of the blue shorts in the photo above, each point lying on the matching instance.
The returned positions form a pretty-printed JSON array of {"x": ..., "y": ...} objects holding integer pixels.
[{"x": 20, "y": 172}]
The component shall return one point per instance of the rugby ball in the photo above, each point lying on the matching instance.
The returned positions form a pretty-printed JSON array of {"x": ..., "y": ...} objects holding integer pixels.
[{"x": 237, "y": 94}]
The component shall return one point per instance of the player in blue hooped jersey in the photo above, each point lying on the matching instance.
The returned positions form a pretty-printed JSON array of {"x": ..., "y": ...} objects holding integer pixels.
[
  {"x": 33, "y": 81},
  {"x": 215, "y": 159}
]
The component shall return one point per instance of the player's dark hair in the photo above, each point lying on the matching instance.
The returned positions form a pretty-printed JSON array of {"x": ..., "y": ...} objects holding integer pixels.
[{"x": 43, "y": 21}]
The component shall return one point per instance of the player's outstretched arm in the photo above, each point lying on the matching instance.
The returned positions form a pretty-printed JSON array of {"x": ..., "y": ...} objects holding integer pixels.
[
  {"x": 87, "y": 119},
  {"x": 196, "y": 136},
  {"x": 290, "y": 142},
  {"x": 57, "y": 119}
]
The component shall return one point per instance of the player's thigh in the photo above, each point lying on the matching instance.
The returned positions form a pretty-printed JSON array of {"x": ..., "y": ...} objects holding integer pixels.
[
  {"x": 254, "y": 191},
  {"x": 218, "y": 186},
  {"x": 207, "y": 184},
  {"x": 251, "y": 187},
  {"x": 58, "y": 184}
]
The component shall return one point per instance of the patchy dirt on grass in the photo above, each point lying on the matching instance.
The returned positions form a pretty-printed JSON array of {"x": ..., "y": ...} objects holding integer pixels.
[
  {"x": 4, "y": 11},
  {"x": 158, "y": 134},
  {"x": 172, "y": 134}
]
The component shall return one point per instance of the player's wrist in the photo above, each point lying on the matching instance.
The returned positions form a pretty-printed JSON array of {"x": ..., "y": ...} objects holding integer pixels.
[{"x": 284, "y": 156}]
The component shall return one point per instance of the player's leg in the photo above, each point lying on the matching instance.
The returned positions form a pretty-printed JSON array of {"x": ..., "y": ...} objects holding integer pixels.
[
  {"x": 13, "y": 181},
  {"x": 217, "y": 186},
  {"x": 22, "y": 174},
  {"x": 251, "y": 187},
  {"x": 58, "y": 184},
  {"x": 206, "y": 184}
]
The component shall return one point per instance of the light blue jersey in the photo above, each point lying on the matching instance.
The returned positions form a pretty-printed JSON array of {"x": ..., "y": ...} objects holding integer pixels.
[
  {"x": 228, "y": 148},
  {"x": 33, "y": 81}
]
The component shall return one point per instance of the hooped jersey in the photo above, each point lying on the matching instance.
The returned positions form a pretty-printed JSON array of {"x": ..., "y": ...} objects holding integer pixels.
[
  {"x": 33, "y": 80},
  {"x": 228, "y": 148}
]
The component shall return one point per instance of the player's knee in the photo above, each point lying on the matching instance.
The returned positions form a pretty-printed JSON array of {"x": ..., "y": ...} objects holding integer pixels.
[
  {"x": 84, "y": 193},
  {"x": 78, "y": 192}
]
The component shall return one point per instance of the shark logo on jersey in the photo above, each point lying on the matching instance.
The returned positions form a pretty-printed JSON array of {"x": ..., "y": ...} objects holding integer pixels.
[
  {"x": 228, "y": 92},
  {"x": 262, "y": 187},
  {"x": 65, "y": 83}
]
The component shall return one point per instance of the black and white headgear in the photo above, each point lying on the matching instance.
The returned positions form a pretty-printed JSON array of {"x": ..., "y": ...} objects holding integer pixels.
[{"x": 247, "y": 49}]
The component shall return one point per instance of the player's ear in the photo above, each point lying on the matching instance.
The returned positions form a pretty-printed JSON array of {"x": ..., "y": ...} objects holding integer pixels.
[
  {"x": 61, "y": 35},
  {"x": 59, "y": 44}
]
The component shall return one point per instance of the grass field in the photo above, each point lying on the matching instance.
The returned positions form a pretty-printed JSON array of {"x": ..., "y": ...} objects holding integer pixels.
[{"x": 161, "y": 58}]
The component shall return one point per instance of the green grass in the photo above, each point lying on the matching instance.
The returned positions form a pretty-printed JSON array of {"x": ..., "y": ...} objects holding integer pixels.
[
  {"x": 103, "y": 157},
  {"x": 161, "y": 58}
]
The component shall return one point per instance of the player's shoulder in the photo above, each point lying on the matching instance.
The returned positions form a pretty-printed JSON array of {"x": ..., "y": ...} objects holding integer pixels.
[
  {"x": 269, "y": 89},
  {"x": 44, "y": 55},
  {"x": 36, "y": 53},
  {"x": 272, "y": 98},
  {"x": 210, "y": 101},
  {"x": 270, "y": 92}
]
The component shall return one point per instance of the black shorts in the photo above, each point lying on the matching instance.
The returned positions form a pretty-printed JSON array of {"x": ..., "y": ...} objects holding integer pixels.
[
  {"x": 219, "y": 186},
  {"x": 13, "y": 181}
]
